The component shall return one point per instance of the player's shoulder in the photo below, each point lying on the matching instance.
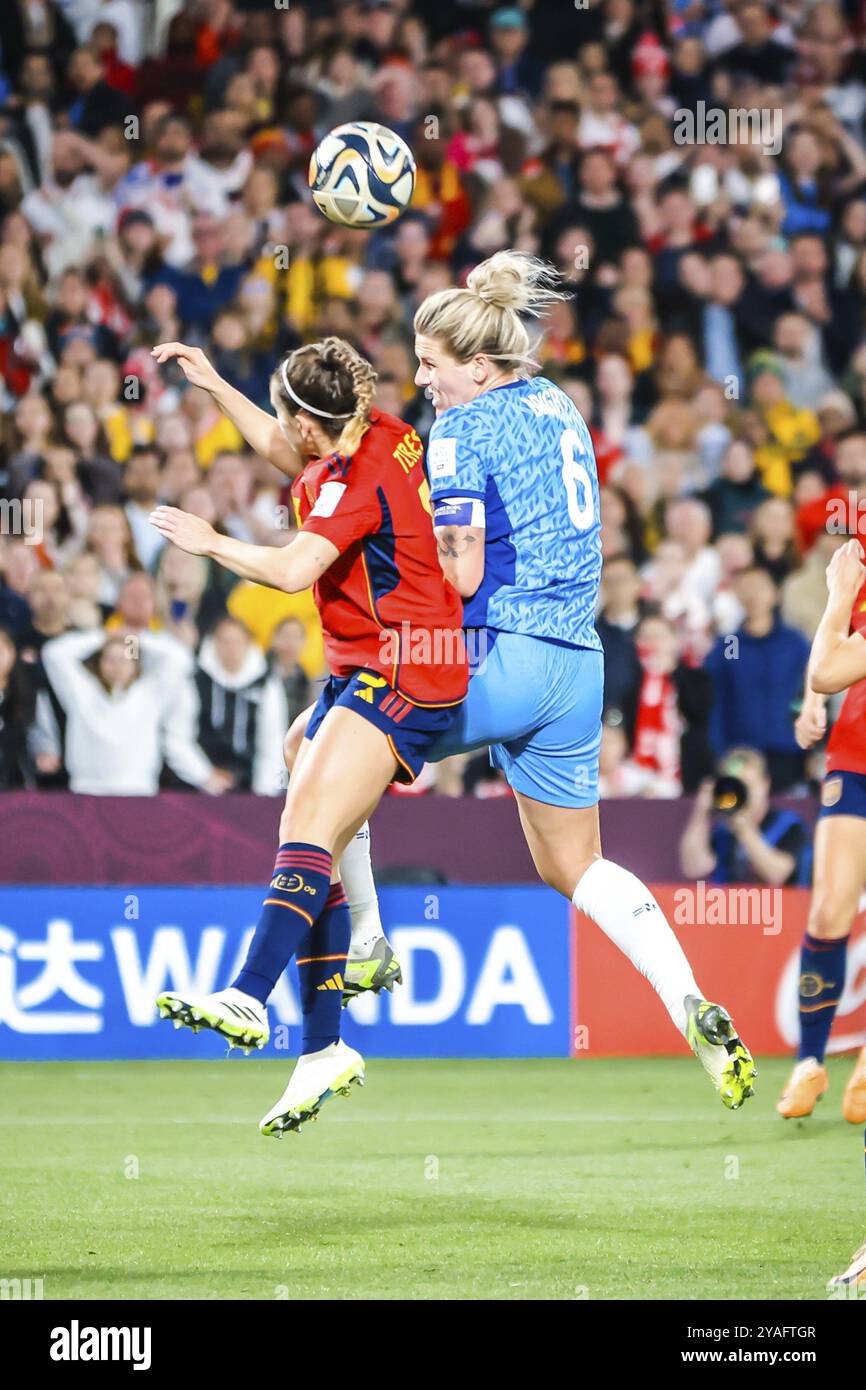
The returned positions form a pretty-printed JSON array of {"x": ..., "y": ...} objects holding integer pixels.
[
  {"x": 384, "y": 427},
  {"x": 389, "y": 437},
  {"x": 544, "y": 399},
  {"x": 470, "y": 421},
  {"x": 382, "y": 441}
]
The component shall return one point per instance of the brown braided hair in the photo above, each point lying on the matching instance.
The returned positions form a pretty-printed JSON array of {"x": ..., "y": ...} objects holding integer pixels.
[{"x": 329, "y": 376}]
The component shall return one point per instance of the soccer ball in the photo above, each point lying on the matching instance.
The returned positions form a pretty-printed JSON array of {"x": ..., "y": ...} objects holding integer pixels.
[{"x": 362, "y": 175}]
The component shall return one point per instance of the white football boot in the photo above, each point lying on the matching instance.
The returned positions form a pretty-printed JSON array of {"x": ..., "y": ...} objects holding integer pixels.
[
  {"x": 317, "y": 1076},
  {"x": 854, "y": 1277},
  {"x": 237, "y": 1017}
]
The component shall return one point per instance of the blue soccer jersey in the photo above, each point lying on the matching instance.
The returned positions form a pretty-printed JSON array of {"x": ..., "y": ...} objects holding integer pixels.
[{"x": 524, "y": 451}]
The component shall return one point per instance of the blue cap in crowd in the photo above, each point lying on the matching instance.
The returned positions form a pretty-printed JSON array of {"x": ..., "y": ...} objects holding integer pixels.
[{"x": 510, "y": 18}]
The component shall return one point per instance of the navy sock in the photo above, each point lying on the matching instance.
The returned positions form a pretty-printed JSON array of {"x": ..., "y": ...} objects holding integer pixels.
[
  {"x": 321, "y": 961},
  {"x": 822, "y": 979},
  {"x": 296, "y": 896}
]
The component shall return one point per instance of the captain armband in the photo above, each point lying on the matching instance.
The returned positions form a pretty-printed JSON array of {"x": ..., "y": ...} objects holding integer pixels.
[{"x": 459, "y": 511}]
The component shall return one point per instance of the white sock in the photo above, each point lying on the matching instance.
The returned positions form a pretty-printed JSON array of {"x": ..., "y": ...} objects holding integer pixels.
[
  {"x": 629, "y": 915},
  {"x": 356, "y": 871}
]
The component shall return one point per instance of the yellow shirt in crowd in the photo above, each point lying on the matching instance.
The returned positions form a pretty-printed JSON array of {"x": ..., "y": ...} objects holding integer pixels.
[{"x": 262, "y": 610}]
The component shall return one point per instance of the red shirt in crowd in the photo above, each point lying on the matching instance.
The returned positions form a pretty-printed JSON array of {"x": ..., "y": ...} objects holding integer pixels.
[{"x": 841, "y": 505}]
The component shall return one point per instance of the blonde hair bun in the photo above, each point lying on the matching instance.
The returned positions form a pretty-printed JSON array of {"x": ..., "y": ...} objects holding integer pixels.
[
  {"x": 513, "y": 281},
  {"x": 488, "y": 315}
]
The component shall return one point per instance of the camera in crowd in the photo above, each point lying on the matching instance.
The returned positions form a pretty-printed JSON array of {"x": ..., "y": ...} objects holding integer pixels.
[{"x": 730, "y": 792}]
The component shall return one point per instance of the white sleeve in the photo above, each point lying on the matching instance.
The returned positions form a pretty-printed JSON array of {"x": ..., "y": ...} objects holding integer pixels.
[
  {"x": 44, "y": 733},
  {"x": 180, "y": 744},
  {"x": 269, "y": 769},
  {"x": 62, "y": 658},
  {"x": 167, "y": 653}
]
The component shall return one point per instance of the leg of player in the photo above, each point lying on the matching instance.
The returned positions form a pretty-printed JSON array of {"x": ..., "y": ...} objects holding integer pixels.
[
  {"x": 372, "y": 964},
  {"x": 838, "y": 881},
  {"x": 344, "y": 773},
  {"x": 325, "y": 1066},
  {"x": 566, "y": 848}
]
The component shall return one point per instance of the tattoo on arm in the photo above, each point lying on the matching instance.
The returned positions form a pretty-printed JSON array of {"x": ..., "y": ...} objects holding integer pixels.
[{"x": 452, "y": 547}]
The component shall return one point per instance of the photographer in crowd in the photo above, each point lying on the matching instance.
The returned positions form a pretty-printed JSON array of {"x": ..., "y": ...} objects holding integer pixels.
[{"x": 734, "y": 835}]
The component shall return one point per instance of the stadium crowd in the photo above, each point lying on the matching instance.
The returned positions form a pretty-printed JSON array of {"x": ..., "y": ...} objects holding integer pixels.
[{"x": 153, "y": 162}]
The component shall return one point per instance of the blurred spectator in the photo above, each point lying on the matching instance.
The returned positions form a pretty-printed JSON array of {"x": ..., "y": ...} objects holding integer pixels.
[
  {"x": 25, "y": 27},
  {"x": 757, "y": 843},
  {"x": 738, "y": 491},
  {"x": 689, "y": 522},
  {"x": 804, "y": 592},
  {"x": 128, "y": 706},
  {"x": 815, "y": 515},
  {"x": 518, "y": 70},
  {"x": 16, "y": 713},
  {"x": 286, "y": 647},
  {"x": 621, "y": 610},
  {"x": 670, "y": 724},
  {"x": 668, "y": 588},
  {"x": 188, "y": 601},
  {"x": 18, "y": 565},
  {"x": 619, "y": 774},
  {"x": 773, "y": 539},
  {"x": 757, "y": 675},
  {"x": 94, "y": 467},
  {"x": 83, "y": 579},
  {"x": 98, "y": 105},
  {"x": 109, "y": 538},
  {"x": 48, "y": 599},
  {"x": 239, "y": 729},
  {"x": 141, "y": 484}
]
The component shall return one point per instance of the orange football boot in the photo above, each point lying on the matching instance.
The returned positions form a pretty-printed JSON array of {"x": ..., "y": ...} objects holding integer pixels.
[
  {"x": 854, "y": 1099},
  {"x": 806, "y": 1085}
]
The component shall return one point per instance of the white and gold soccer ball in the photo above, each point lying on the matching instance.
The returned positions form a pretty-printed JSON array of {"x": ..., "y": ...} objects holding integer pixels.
[{"x": 362, "y": 175}]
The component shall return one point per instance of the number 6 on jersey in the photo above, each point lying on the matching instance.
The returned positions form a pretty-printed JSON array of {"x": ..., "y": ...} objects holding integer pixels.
[{"x": 574, "y": 473}]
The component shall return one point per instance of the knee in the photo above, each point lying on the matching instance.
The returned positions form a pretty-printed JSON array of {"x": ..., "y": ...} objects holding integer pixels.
[
  {"x": 564, "y": 874},
  {"x": 295, "y": 822},
  {"x": 830, "y": 917}
]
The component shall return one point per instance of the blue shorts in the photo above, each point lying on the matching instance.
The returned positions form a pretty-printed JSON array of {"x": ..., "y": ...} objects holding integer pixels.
[
  {"x": 538, "y": 704},
  {"x": 843, "y": 794},
  {"x": 410, "y": 729}
]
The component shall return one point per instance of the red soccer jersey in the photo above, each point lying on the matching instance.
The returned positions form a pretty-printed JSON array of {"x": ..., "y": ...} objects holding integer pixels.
[
  {"x": 385, "y": 604},
  {"x": 846, "y": 747}
]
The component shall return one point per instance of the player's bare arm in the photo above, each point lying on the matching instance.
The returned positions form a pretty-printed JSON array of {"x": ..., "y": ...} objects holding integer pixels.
[
  {"x": 264, "y": 434},
  {"x": 838, "y": 656},
  {"x": 460, "y": 528},
  {"x": 461, "y": 555},
  {"x": 810, "y": 725},
  {"x": 290, "y": 568}
]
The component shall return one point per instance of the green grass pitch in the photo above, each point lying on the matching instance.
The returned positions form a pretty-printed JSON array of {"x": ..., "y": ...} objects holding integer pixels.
[{"x": 499, "y": 1180}]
